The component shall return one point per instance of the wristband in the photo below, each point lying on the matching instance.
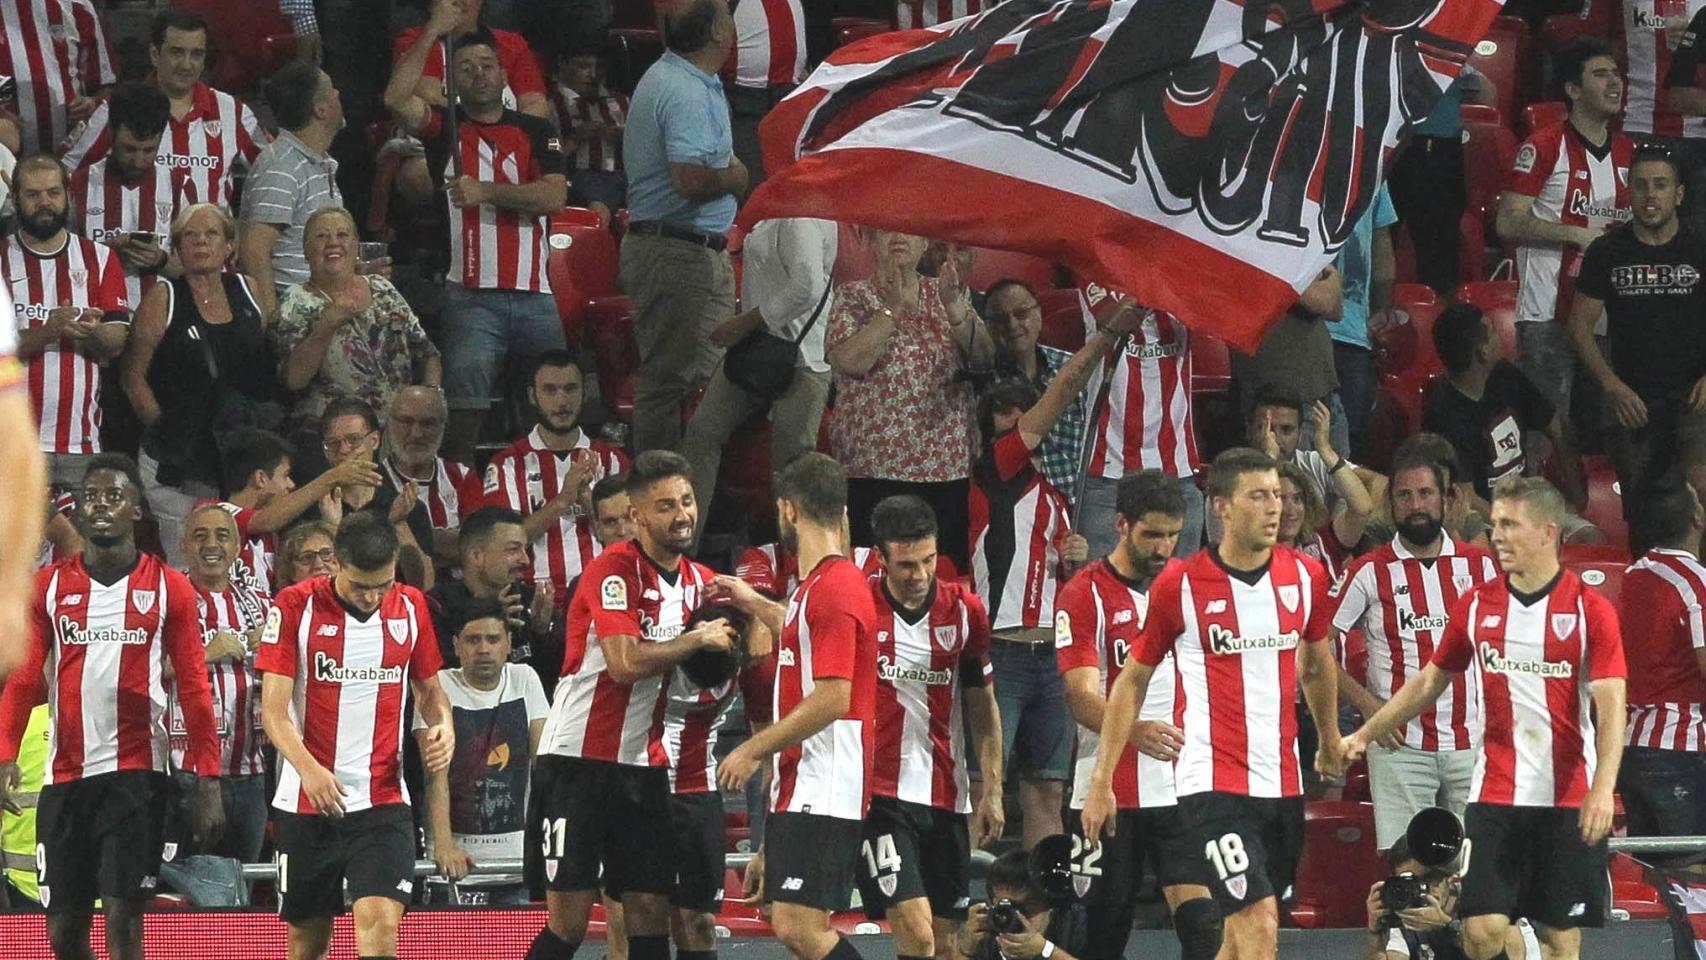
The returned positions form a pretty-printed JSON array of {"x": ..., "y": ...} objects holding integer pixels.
[
  {"x": 1048, "y": 950},
  {"x": 1335, "y": 468}
]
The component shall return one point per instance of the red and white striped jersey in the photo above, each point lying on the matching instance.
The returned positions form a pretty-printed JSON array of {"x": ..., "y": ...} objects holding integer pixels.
[
  {"x": 443, "y": 497},
  {"x": 65, "y": 384},
  {"x": 693, "y": 715},
  {"x": 595, "y": 149},
  {"x": 911, "y": 14},
  {"x": 351, "y": 678},
  {"x": 770, "y": 43},
  {"x": 97, "y": 655},
  {"x": 1235, "y": 638},
  {"x": 1660, "y": 605},
  {"x": 1572, "y": 182},
  {"x": 1535, "y": 660},
  {"x": 773, "y": 571},
  {"x": 621, "y": 594},
  {"x": 828, "y": 633},
  {"x": 108, "y": 210},
  {"x": 253, "y": 567},
  {"x": 218, "y": 135},
  {"x": 56, "y": 51},
  {"x": 924, "y": 658},
  {"x": 1403, "y": 605},
  {"x": 1649, "y": 51},
  {"x": 1146, "y": 423},
  {"x": 1017, "y": 521},
  {"x": 492, "y": 248},
  {"x": 235, "y": 686},
  {"x": 1097, "y": 622},
  {"x": 528, "y": 474}
]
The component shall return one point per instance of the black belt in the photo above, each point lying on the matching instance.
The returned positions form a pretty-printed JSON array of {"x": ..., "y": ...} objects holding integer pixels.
[
  {"x": 1034, "y": 647},
  {"x": 669, "y": 231}
]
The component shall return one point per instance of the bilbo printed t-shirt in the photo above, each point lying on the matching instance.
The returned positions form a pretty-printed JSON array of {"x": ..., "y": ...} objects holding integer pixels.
[{"x": 1655, "y": 308}]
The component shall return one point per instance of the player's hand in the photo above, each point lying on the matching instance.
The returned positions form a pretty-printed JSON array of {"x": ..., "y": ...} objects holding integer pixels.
[
  {"x": 354, "y": 472},
  {"x": 453, "y": 862},
  {"x": 1330, "y": 758},
  {"x": 752, "y": 882},
  {"x": 989, "y": 820},
  {"x": 515, "y": 612},
  {"x": 1098, "y": 815},
  {"x": 1352, "y": 747},
  {"x": 1023, "y": 945},
  {"x": 465, "y": 191},
  {"x": 736, "y": 591},
  {"x": 439, "y": 746},
  {"x": 1157, "y": 739},
  {"x": 207, "y": 813},
  {"x": 712, "y": 635},
  {"x": 738, "y": 767},
  {"x": 10, "y": 777},
  {"x": 1597, "y": 811},
  {"x": 324, "y": 791},
  {"x": 544, "y": 605},
  {"x": 1631, "y": 410}
]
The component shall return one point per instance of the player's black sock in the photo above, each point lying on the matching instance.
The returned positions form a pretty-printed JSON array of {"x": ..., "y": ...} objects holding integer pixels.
[
  {"x": 844, "y": 950},
  {"x": 549, "y": 946},
  {"x": 695, "y": 955},
  {"x": 1197, "y": 923},
  {"x": 651, "y": 947}
]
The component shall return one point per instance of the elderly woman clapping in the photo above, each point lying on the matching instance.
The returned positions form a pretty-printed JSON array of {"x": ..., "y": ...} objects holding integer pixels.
[{"x": 346, "y": 334}]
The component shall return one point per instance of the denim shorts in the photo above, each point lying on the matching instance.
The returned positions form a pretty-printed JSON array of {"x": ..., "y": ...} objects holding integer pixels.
[{"x": 1036, "y": 730}]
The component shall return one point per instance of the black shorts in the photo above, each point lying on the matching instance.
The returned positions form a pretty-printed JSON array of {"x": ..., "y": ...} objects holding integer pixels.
[
  {"x": 697, "y": 819},
  {"x": 809, "y": 859},
  {"x": 909, "y": 850},
  {"x": 101, "y": 837},
  {"x": 1531, "y": 862},
  {"x": 1107, "y": 877},
  {"x": 1248, "y": 846},
  {"x": 597, "y": 824},
  {"x": 324, "y": 860}
]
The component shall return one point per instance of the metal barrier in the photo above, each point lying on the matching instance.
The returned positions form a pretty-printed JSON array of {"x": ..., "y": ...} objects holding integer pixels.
[
  {"x": 1639, "y": 845},
  {"x": 980, "y": 861}
]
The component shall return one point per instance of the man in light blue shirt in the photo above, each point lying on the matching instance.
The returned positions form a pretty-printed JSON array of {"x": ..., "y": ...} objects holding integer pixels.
[
  {"x": 1365, "y": 262},
  {"x": 684, "y": 182}
]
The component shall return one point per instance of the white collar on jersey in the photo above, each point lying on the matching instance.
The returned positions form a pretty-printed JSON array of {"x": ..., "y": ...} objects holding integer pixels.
[
  {"x": 1447, "y": 547},
  {"x": 537, "y": 442}
]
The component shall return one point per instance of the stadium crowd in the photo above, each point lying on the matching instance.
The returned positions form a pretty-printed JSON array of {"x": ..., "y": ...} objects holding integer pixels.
[{"x": 460, "y": 483}]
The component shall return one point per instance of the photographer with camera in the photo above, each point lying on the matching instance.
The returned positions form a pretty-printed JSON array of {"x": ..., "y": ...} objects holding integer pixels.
[
  {"x": 1413, "y": 914},
  {"x": 1022, "y": 921}
]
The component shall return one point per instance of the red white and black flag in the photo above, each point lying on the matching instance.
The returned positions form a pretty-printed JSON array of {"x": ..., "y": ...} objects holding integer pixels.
[{"x": 1207, "y": 156}]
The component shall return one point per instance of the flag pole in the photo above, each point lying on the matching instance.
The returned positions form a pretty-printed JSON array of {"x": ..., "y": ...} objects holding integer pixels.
[
  {"x": 1094, "y": 415},
  {"x": 450, "y": 124}
]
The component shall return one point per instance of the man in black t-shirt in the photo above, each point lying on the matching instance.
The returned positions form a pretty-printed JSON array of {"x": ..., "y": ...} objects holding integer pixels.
[
  {"x": 1486, "y": 407},
  {"x": 1647, "y": 275}
]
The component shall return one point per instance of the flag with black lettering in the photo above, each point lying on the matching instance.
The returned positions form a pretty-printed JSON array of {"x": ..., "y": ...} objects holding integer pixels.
[
  {"x": 1207, "y": 156},
  {"x": 1684, "y": 897}
]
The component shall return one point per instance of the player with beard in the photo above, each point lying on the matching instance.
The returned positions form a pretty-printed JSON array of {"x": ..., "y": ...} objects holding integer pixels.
[
  {"x": 547, "y": 476},
  {"x": 824, "y": 709},
  {"x": 102, "y": 626},
  {"x": 1401, "y": 596},
  {"x": 601, "y": 781},
  {"x": 1098, "y": 617},
  {"x": 71, "y": 314}
]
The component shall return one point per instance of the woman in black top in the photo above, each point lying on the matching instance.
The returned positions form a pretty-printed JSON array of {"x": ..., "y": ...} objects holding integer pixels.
[{"x": 197, "y": 356}]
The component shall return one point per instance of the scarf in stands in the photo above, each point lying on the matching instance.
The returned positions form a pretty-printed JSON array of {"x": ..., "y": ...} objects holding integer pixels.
[
  {"x": 1684, "y": 897},
  {"x": 1207, "y": 156}
]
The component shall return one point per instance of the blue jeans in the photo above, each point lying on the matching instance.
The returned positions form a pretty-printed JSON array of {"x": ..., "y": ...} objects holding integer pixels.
[
  {"x": 1032, "y": 701},
  {"x": 1663, "y": 791},
  {"x": 1355, "y": 366},
  {"x": 1097, "y": 510},
  {"x": 483, "y": 328},
  {"x": 214, "y": 878}
]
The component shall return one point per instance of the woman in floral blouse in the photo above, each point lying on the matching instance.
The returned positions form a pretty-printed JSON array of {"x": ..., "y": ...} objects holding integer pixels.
[
  {"x": 902, "y": 422},
  {"x": 345, "y": 334}
]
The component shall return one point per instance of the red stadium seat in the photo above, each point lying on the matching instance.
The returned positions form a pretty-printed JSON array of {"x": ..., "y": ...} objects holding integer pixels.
[
  {"x": 1605, "y": 501},
  {"x": 1544, "y": 114},
  {"x": 851, "y": 29},
  {"x": 237, "y": 36},
  {"x": 1497, "y": 299},
  {"x": 1606, "y": 576},
  {"x": 1340, "y": 862},
  {"x": 610, "y": 333},
  {"x": 1211, "y": 364},
  {"x": 1403, "y": 340},
  {"x": 1398, "y": 406},
  {"x": 992, "y": 265},
  {"x": 1356, "y": 783},
  {"x": 1481, "y": 113},
  {"x": 1504, "y": 56},
  {"x": 1063, "y": 319},
  {"x": 1488, "y": 150},
  {"x": 737, "y": 839},
  {"x": 1413, "y": 293},
  {"x": 1595, "y": 553},
  {"x": 1630, "y": 890},
  {"x": 590, "y": 249}
]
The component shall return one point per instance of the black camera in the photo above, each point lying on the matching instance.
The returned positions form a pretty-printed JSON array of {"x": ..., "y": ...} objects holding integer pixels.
[
  {"x": 1006, "y": 917},
  {"x": 1403, "y": 891},
  {"x": 1435, "y": 840}
]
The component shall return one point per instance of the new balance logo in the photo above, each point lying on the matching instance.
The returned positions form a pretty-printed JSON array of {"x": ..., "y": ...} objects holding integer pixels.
[
  {"x": 785, "y": 658},
  {"x": 406, "y": 886},
  {"x": 1213, "y": 607},
  {"x": 793, "y": 883},
  {"x": 328, "y": 630}
]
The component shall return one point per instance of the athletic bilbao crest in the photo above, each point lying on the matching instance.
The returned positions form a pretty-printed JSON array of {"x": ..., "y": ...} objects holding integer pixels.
[
  {"x": 398, "y": 629},
  {"x": 1563, "y": 624},
  {"x": 886, "y": 883},
  {"x": 79, "y": 279},
  {"x": 1288, "y": 595},
  {"x": 1244, "y": 139},
  {"x": 551, "y": 870},
  {"x": 1238, "y": 886},
  {"x": 142, "y": 600},
  {"x": 212, "y": 127},
  {"x": 163, "y": 212},
  {"x": 1462, "y": 582},
  {"x": 1081, "y": 885},
  {"x": 945, "y": 636}
]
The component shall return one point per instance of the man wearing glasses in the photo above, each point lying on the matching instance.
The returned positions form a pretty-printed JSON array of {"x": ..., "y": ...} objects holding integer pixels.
[
  {"x": 349, "y": 430},
  {"x": 1015, "y": 320}
]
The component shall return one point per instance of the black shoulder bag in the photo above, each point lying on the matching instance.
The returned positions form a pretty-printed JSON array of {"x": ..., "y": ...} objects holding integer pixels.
[{"x": 762, "y": 363}]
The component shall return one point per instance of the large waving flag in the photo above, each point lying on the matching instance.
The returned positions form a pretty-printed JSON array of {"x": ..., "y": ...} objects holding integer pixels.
[{"x": 1208, "y": 156}]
